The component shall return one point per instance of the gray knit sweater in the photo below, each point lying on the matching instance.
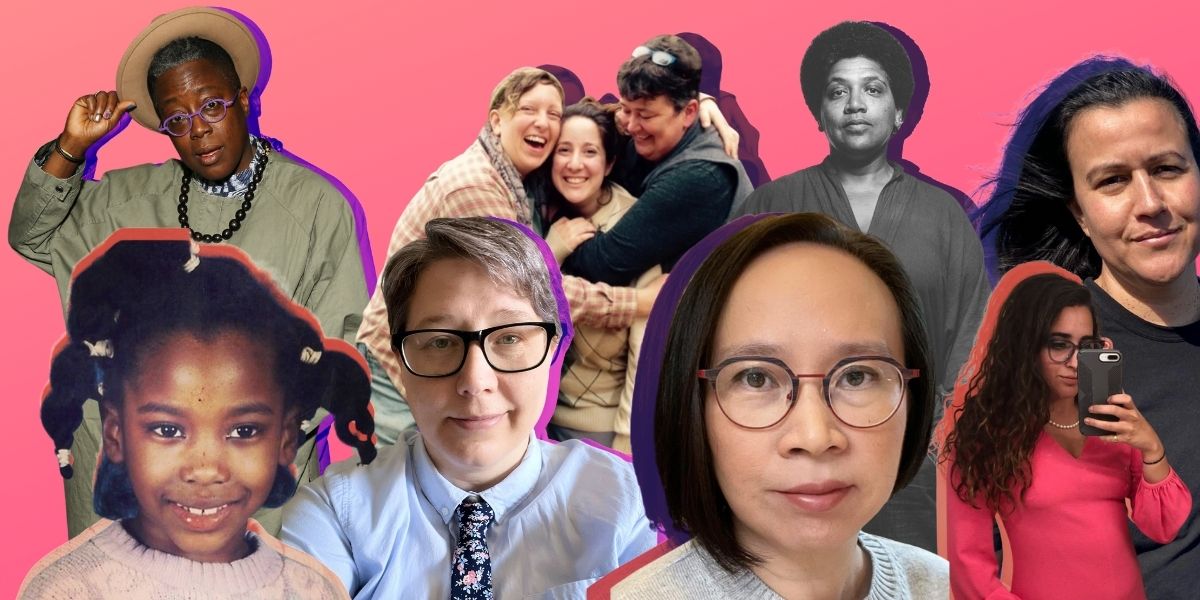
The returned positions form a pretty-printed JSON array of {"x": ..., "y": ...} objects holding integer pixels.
[{"x": 898, "y": 572}]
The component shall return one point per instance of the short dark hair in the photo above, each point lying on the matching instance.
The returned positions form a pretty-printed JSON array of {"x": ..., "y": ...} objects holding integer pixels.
[
  {"x": 694, "y": 500},
  {"x": 188, "y": 49},
  {"x": 1028, "y": 216},
  {"x": 133, "y": 291},
  {"x": 852, "y": 39},
  {"x": 640, "y": 77}
]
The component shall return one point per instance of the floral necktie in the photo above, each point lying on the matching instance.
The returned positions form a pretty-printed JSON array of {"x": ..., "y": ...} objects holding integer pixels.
[{"x": 471, "y": 566}]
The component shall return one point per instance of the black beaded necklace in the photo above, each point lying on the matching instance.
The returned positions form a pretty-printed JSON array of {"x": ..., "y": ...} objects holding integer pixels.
[{"x": 236, "y": 222}]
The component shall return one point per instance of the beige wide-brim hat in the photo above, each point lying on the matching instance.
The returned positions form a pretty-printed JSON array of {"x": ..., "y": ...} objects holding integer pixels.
[{"x": 212, "y": 24}]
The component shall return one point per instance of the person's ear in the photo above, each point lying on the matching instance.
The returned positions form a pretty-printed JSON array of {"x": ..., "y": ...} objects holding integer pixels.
[
  {"x": 690, "y": 110},
  {"x": 111, "y": 431},
  {"x": 608, "y": 169},
  {"x": 243, "y": 98},
  {"x": 1077, "y": 213},
  {"x": 494, "y": 121},
  {"x": 899, "y": 121}
]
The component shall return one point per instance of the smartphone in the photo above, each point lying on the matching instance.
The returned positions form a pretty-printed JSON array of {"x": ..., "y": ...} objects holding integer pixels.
[{"x": 1099, "y": 377}]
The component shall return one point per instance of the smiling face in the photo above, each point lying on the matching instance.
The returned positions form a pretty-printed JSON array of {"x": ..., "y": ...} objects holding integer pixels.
[
  {"x": 809, "y": 482},
  {"x": 1073, "y": 324},
  {"x": 1137, "y": 190},
  {"x": 580, "y": 165},
  {"x": 529, "y": 130},
  {"x": 475, "y": 423},
  {"x": 202, "y": 430},
  {"x": 858, "y": 113},
  {"x": 655, "y": 125},
  {"x": 213, "y": 151}
]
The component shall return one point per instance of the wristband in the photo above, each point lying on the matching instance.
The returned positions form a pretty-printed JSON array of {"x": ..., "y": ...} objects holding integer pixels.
[
  {"x": 66, "y": 155},
  {"x": 1154, "y": 462}
]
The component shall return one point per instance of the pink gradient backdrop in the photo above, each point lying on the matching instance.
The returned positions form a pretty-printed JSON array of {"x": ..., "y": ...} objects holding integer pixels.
[{"x": 379, "y": 94}]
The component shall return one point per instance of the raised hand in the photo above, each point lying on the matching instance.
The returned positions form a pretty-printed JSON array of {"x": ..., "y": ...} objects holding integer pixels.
[
  {"x": 566, "y": 235},
  {"x": 91, "y": 118},
  {"x": 1133, "y": 429}
]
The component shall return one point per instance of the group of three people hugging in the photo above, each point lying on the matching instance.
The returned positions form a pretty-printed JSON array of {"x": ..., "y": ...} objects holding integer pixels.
[{"x": 806, "y": 377}]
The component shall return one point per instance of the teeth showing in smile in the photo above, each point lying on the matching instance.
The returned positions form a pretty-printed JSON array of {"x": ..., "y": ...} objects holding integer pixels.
[
  {"x": 536, "y": 140},
  {"x": 202, "y": 512},
  {"x": 575, "y": 179}
]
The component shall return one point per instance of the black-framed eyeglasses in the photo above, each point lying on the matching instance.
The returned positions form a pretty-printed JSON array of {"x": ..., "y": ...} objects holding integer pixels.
[
  {"x": 213, "y": 110},
  {"x": 1061, "y": 349},
  {"x": 661, "y": 58},
  {"x": 757, "y": 392},
  {"x": 510, "y": 348}
]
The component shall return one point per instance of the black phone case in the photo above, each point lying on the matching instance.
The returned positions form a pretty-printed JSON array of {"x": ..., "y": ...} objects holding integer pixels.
[{"x": 1098, "y": 379}]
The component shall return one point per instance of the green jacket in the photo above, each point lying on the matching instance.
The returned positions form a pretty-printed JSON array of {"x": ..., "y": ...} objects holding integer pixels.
[{"x": 300, "y": 229}]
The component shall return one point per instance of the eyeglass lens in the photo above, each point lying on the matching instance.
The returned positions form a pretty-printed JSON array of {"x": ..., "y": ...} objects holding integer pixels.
[
  {"x": 441, "y": 353},
  {"x": 756, "y": 394},
  {"x": 1061, "y": 350},
  {"x": 180, "y": 124}
]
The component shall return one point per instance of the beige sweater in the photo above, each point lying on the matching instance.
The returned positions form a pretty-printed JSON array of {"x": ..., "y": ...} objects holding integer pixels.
[{"x": 596, "y": 392}]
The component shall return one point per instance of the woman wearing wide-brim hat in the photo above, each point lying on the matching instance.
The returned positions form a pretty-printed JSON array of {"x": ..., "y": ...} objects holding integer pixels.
[{"x": 190, "y": 76}]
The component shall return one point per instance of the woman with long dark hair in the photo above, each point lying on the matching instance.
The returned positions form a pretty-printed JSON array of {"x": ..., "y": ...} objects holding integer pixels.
[
  {"x": 1016, "y": 450},
  {"x": 1100, "y": 178}
]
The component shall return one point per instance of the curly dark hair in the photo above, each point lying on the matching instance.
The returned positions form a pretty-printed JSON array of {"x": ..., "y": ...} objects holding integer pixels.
[
  {"x": 852, "y": 39},
  {"x": 1028, "y": 217},
  {"x": 130, "y": 292},
  {"x": 1005, "y": 406}
]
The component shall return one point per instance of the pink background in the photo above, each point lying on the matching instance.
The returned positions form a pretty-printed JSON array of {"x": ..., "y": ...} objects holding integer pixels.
[{"x": 380, "y": 95}]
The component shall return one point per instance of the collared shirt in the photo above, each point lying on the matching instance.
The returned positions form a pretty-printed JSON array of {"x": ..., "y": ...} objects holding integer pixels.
[
  {"x": 567, "y": 515},
  {"x": 469, "y": 186}
]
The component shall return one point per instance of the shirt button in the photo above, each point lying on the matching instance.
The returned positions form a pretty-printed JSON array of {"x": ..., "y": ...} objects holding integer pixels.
[
  {"x": 445, "y": 512},
  {"x": 58, "y": 188}
]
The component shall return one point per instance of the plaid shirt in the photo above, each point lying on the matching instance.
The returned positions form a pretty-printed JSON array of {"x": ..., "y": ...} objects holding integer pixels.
[{"x": 468, "y": 186}]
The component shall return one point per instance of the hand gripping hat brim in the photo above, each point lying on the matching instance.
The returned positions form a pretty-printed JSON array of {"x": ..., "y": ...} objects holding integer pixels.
[{"x": 212, "y": 24}]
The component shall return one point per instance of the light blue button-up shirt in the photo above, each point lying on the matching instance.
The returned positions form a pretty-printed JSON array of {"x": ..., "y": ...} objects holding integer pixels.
[{"x": 567, "y": 515}]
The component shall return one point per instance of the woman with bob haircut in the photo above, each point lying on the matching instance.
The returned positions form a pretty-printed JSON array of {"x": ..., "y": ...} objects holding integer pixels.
[
  {"x": 1100, "y": 178},
  {"x": 785, "y": 419},
  {"x": 1016, "y": 450}
]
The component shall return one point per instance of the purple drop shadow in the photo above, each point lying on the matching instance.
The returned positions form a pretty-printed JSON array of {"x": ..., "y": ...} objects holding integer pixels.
[
  {"x": 645, "y": 388},
  {"x": 912, "y": 116},
  {"x": 564, "y": 321},
  {"x": 266, "y": 63}
]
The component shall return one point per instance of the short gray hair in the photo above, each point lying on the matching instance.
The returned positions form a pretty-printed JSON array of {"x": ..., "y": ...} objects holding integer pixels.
[{"x": 508, "y": 255}]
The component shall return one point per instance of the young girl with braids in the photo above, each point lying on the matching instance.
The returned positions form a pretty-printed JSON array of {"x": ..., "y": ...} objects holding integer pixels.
[
  {"x": 204, "y": 372},
  {"x": 1016, "y": 452}
]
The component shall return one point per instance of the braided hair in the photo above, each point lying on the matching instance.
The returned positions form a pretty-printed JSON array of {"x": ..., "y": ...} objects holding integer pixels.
[{"x": 141, "y": 285}]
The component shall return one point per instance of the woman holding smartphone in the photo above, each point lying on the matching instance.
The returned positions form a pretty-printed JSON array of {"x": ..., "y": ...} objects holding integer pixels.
[
  {"x": 1017, "y": 451},
  {"x": 1101, "y": 179}
]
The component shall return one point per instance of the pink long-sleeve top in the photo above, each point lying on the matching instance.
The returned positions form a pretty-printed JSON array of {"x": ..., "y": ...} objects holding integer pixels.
[{"x": 1070, "y": 536}]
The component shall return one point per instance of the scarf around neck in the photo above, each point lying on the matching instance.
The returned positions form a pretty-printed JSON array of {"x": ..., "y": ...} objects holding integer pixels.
[
  {"x": 235, "y": 186},
  {"x": 512, "y": 180}
]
